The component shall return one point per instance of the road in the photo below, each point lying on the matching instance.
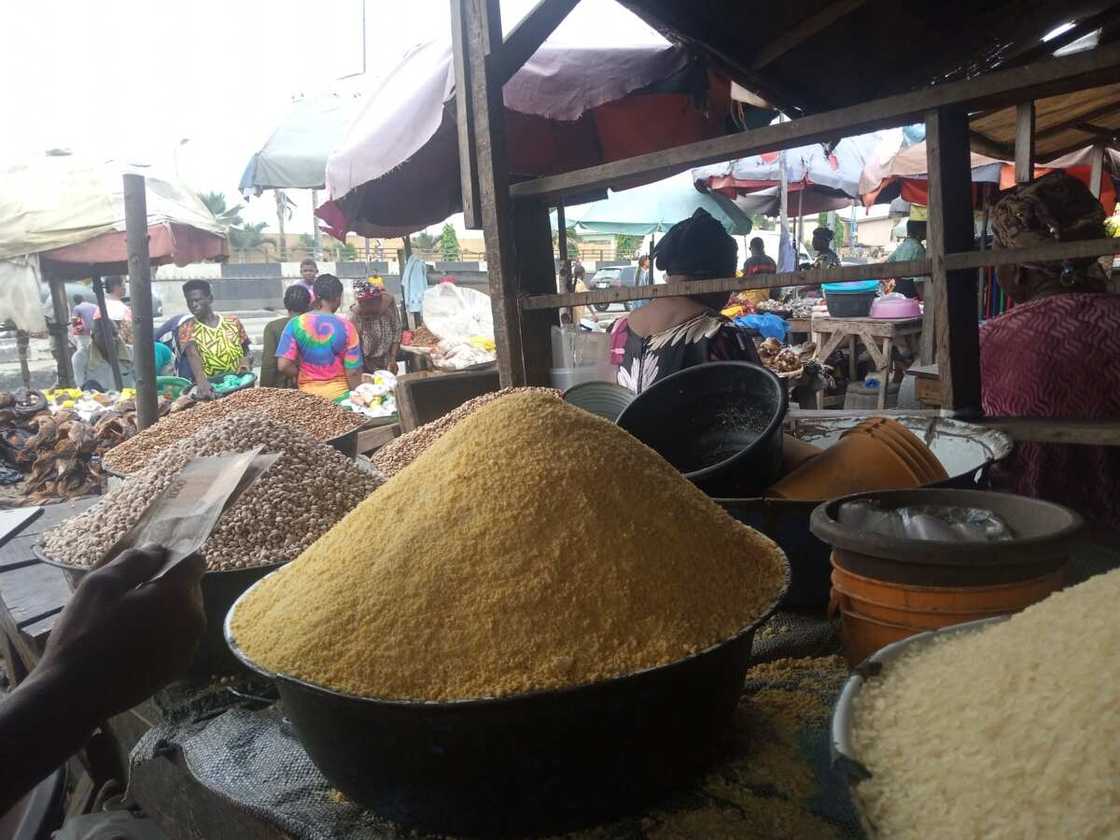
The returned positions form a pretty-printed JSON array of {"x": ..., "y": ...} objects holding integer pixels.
[{"x": 44, "y": 373}]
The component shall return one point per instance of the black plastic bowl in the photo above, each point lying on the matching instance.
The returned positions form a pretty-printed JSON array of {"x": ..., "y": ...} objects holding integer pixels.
[
  {"x": 534, "y": 763},
  {"x": 720, "y": 424},
  {"x": 219, "y": 591}
]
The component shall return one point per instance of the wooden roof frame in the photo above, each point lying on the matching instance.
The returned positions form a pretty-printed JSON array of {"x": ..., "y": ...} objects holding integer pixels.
[{"x": 518, "y": 233}]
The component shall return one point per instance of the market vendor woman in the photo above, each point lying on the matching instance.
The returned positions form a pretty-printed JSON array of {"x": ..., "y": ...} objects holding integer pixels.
[
  {"x": 319, "y": 349},
  {"x": 378, "y": 321},
  {"x": 1056, "y": 353},
  {"x": 214, "y": 345},
  {"x": 673, "y": 333}
]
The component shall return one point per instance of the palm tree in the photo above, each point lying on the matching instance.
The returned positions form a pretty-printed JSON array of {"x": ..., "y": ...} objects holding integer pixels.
[
  {"x": 248, "y": 237},
  {"x": 228, "y": 217}
]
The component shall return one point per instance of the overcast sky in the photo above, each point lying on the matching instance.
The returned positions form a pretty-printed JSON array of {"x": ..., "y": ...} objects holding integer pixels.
[{"x": 198, "y": 87}]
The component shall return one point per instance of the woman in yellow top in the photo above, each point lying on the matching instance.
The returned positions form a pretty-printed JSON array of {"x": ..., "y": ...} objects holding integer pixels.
[{"x": 215, "y": 345}]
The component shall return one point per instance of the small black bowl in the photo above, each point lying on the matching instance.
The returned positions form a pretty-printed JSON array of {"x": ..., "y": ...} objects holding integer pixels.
[{"x": 542, "y": 762}]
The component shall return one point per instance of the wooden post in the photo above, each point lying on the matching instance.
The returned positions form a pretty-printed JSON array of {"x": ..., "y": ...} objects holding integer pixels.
[
  {"x": 140, "y": 288},
  {"x": 61, "y": 319},
  {"x": 1097, "y": 172},
  {"x": 407, "y": 249},
  {"x": 951, "y": 230},
  {"x": 281, "y": 208},
  {"x": 481, "y": 21},
  {"x": 561, "y": 232},
  {"x": 1024, "y": 143},
  {"x": 465, "y": 118},
  {"x": 108, "y": 334},
  {"x": 535, "y": 273}
]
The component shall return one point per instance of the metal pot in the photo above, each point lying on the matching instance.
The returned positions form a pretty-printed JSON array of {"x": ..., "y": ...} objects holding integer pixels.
[{"x": 542, "y": 762}]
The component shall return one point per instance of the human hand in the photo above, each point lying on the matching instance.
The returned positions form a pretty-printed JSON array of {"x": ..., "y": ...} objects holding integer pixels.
[
  {"x": 123, "y": 636},
  {"x": 204, "y": 391}
]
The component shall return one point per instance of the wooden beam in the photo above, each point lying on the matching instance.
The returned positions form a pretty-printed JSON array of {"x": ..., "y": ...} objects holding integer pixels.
[
  {"x": 1047, "y": 48},
  {"x": 140, "y": 294},
  {"x": 815, "y": 277},
  {"x": 951, "y": 231},
  {"x": 1000, "y": 88},
  {"x": 1024, "y": 142},
  {"x": 1051, "y": 252},
  {"x": 483, "y": 27},
  {"x": 1095, "y": 114},
  {"x": 984, "y": 145},
  {"x": 468, "y": 169},
  {"x": 802, "y": 32},
  {"x": 1053, "y": 430},
  {"x": 527, "y": 37}
]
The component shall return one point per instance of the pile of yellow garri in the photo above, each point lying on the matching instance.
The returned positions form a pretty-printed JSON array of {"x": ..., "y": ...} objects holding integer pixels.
[{"x": 533, "y": 547}]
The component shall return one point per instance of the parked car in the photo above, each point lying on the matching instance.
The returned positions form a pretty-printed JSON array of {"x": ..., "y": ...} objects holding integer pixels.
[{"x": 614, "y": 277}]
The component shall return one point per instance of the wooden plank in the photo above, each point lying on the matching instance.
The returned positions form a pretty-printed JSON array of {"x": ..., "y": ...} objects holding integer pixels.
[
  {"x": 1024, "y": 142},
  {"x": 813, "y": 277},
  {"x": 1053, "y": 430},
  {"x": 802, "y": 32},
  {"x": 984, "y": 145},
  {"x": 31, "y": 592},
  {"x": 535, "y": 274},
  {"x": 1057, "y": 128},
  {"x": 468, "y": 170},
  {"x": 951, "y": 231},
  {"x": 999, "y": 88},
  {"x": 482, "y": 20},
  {"x": 878, "y": 327},
  {"x": 370, "y": 440},
  {"x": 532, "y": 31},
  {"x": 1051, "y": 252}
]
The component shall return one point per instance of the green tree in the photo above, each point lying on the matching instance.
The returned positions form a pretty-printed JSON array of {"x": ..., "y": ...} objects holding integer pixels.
[
  {"x": 449, "y": 244},
  {"x": 247, "y": 237},
  {"x": 307, "y": 241},
  {"x": 761, "y": 222},
  {"x": 626, "y": 246},
  {"x": 228, "y": 217},
  {"x": 573, "y": 244},
  {"x": 346, "y": 252},
  {"x": 424, "y": 242}
]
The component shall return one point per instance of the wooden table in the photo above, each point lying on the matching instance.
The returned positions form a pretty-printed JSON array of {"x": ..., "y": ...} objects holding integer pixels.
[
  {"x": 32, "y": 594},
  {"x": 878, "y": 335},
  {"x": 927, "y": 384}
]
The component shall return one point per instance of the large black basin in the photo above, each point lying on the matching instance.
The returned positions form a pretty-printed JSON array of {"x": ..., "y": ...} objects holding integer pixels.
[
  {"x": 535, "y": 763},
  {"x": 720, "y": 424}
]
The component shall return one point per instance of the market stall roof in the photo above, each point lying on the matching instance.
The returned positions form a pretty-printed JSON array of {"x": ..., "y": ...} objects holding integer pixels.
[
  {"x": 397, "y": 169},
  {"x": 905, "y": 176},
  {"x": 70, "y": 210},
  {"x": 654, "y": 208},
  {"x": 878, "y": 47},
  {"x": 295, "y": 155}
]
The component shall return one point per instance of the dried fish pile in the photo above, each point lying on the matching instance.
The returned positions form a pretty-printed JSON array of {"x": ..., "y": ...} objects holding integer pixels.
[
  {"x": 308, "y": 413},
  {"x": 301, "y": 496},
  {"x": 399, "y": 453},
  {"x": 59, "y": 453}
]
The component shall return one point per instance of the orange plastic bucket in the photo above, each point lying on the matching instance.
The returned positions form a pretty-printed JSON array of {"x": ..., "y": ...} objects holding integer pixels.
[{"x": 883, "y": 610}]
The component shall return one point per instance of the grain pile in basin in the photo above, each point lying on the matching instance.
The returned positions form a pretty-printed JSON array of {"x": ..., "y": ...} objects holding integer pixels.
[
  {"x": 1010, "y": 732},
  {"x": 553, "y": 550}
]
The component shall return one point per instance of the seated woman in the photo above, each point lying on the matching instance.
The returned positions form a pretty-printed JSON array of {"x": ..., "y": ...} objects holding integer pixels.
[
  {"x": 1057, "y": 352},
  {"x": 319, "y": 349},
  {"x": 673, "y": 333}
]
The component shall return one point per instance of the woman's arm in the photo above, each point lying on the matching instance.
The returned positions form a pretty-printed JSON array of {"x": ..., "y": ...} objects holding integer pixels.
[
  {"x": 287, "y": 367},
  {"x": 194, "y": 359}
]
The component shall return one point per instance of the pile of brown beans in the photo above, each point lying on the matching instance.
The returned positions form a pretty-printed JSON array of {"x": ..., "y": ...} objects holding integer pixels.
[
  {"x": 317, "y": 417},
  {"x": 302, "y": 495}
]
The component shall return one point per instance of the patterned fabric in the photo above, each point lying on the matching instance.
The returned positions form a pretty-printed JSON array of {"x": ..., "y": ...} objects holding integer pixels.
[
  {"x": 222, "y": 347},
  {"x": 378, "y": 333},
  {"x": 1058, "y": 356},
  {"x": 827, "y": 259},
  {"x": 704, "y": 338},
  {"x": 325, "y": 346}
]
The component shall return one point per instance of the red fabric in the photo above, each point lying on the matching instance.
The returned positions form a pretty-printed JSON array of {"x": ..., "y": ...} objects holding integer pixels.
[
  {"x": 1058, "y": 356},
  {"x": 167, "y": 242}
]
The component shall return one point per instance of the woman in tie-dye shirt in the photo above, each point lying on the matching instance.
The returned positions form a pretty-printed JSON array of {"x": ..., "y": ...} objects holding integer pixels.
[{"x": 320, "y": 349}]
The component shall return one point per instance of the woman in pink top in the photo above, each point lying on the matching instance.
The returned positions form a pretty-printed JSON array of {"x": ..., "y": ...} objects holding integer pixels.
[{"x": 320, "y": 349}]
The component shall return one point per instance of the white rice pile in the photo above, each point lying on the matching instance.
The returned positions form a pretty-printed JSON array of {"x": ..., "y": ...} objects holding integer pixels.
[{"x": 1011, "y": 732}]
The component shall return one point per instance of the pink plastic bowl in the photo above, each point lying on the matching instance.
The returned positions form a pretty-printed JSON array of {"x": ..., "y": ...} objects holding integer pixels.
[{"x": 896, "y": 308}]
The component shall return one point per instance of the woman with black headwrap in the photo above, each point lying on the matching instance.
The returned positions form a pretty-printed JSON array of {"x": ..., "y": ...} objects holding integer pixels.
[
  {"x": 1056, "y": 352},
  {"x": 673, "y": 333}
]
